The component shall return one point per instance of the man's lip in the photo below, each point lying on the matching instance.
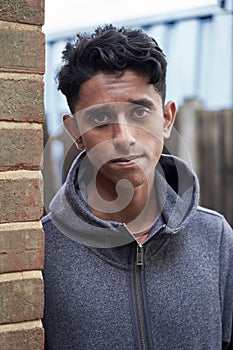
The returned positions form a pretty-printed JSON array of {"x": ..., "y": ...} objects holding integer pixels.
[{"x": 125, "y": 159}]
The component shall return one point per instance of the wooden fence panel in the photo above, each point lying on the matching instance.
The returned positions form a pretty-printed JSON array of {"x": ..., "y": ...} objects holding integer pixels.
[
  {"x": 214, "y": 131},
  {"x": 210, "y": 144}
]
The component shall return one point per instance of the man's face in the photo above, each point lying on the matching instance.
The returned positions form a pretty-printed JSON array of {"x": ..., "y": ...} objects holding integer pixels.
[{"x": 121, "y": 124}]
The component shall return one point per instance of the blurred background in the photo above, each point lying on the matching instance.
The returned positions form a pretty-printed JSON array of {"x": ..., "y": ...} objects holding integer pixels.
[{"x": 197, "y": 38}]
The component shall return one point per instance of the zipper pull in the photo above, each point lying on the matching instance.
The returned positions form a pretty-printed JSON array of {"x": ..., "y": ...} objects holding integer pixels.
[{"x": 139, "y": 255}]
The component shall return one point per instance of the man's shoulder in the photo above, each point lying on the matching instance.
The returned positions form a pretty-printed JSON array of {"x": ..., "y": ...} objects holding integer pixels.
[
  {"x": 214, "y": 221},
  {"x": 48, "y": 224},
  {"x": 209, "y": 212},
  {"x": 46, "y": 219}
]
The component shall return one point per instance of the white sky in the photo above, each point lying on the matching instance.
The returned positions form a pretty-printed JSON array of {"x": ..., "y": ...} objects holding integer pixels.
[{"x": 67, "y": 15}]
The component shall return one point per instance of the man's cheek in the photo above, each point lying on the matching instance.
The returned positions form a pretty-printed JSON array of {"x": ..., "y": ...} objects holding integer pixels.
[{"x": 100, "y": 153}]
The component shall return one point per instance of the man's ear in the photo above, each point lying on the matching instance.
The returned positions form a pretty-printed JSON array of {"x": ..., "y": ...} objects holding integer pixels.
[
  {"x": 72, "y": 129},
  {"x": 168, "y": 118}
]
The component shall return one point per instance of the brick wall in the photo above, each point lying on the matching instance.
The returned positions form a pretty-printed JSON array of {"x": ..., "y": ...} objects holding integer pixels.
[{"x": 21, "y": 148}]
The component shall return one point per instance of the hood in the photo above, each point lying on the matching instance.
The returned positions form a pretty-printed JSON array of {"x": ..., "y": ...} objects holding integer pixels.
[{"x": 177, "y": 192}]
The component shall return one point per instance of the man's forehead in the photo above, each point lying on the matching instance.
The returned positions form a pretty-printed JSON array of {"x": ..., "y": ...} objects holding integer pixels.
[{"x": 107, "y": 88}]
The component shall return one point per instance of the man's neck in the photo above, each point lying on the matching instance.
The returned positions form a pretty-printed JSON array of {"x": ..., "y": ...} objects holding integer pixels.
[{"x": 136, "y": 207}]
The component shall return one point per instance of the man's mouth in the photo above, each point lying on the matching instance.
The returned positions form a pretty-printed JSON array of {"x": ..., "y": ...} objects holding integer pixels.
[{"x": 125, "y": 160}]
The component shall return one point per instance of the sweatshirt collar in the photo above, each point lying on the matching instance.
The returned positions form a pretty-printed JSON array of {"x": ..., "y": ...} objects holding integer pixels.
[{"x": 177, "y": 191}]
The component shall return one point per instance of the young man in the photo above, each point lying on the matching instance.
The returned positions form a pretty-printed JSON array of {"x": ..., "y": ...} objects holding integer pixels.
[{"x": 131, "y": 261}]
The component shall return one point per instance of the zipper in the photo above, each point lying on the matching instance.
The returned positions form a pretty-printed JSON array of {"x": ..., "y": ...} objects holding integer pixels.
[
  {"x": 139, "y": 258},
  {"x": 138, "y": 267},
  {"x": 144, "y": 333}
]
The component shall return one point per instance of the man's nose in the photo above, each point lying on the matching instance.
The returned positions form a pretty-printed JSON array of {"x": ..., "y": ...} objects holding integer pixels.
[{"x": 123, "y": 135}]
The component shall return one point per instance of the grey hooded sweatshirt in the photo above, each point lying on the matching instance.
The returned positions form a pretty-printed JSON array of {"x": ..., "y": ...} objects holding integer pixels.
[{"x": 104, "y": 291}]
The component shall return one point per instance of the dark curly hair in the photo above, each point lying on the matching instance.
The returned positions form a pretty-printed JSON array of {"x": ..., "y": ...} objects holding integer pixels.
[{"x": 110, "y": 50}]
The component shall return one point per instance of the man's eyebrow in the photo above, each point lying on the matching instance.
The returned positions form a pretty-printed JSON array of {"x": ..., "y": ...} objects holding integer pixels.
[
  {"x": 143, "y": 102},
  {"x": 109, "y": 106}
]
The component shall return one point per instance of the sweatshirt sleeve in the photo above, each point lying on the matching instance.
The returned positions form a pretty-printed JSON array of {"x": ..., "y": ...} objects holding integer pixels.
[{"x": 226, "y": 285}]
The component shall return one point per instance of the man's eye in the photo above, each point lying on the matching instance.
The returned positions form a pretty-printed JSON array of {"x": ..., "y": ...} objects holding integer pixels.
[
  {"x": 139, "y": 113},
  {"x": 101, "y": 118}
]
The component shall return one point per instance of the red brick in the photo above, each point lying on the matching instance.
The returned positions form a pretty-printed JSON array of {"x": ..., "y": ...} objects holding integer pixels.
[
  {"x": 21, "y": 296},
  {"x": 22, "y": 100},
  {"x": 22, "y": 51},
  {"x": 23, "y": 11},
  {"x": 21, "y": 247},
  {"x": 22, "y": 336},
  {"x": 20, "y": 196},
  {"x": 21, "y": 147}
]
